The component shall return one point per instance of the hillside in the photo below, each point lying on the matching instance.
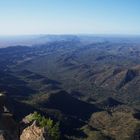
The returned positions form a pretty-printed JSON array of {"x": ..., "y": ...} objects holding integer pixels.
[{"x": 76, "y": 80}]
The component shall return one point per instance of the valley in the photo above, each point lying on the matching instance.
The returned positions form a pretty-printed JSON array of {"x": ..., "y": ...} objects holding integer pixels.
[{"x": 76, "y": 80}]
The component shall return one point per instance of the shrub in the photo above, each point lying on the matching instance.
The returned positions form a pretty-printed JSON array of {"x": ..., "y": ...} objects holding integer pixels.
[{"x": 47, "y": 123}]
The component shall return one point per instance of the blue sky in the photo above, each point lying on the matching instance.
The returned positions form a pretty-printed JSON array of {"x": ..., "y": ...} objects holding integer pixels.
[{"x": 69, "y": 17}]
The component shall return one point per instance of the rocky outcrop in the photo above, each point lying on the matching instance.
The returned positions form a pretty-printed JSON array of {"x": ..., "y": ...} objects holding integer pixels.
[
  {"x": 2, "y": 137},
  {"x": 33, "y": 132},
  {"x": 9, "y": 129}
]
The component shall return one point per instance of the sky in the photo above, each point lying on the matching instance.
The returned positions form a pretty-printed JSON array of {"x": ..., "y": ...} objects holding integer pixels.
[{"x": 21, "y": 17}]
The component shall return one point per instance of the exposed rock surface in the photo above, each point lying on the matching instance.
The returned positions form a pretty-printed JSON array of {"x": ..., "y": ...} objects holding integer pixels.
[
  {"x": 9, "y": 129},
  {"x": 33, "y": 132},
  {"x": 13, "y": 130}
]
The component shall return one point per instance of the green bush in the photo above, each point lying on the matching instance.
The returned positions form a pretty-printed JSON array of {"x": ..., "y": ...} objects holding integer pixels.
[{"x": 47, "y": 123}]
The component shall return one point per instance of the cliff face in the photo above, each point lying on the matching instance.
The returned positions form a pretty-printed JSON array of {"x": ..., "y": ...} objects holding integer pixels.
[{"x": 10, "y": 129}]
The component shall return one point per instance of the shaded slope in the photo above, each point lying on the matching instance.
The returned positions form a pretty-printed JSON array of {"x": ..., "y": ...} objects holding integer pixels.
[
  {"x": 68, "y": 105},
  {"x": 108, "y": 103}
]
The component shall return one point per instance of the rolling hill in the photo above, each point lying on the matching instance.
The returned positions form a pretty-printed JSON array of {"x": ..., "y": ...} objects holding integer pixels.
[{"x": 77, "y": 80}]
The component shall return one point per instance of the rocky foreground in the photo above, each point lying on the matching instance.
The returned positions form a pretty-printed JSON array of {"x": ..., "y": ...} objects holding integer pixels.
[
  {"x": 113, "y": 121},
  {"x": 27, "y": 129}
]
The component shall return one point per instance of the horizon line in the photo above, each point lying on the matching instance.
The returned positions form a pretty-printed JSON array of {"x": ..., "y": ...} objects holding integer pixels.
[{"x": 76, "y": 34}]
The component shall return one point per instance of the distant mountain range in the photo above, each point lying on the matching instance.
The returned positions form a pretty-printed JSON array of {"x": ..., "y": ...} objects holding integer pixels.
[
  {"x": 90, "y": 84},
  {"x": 30, "y": 40}
]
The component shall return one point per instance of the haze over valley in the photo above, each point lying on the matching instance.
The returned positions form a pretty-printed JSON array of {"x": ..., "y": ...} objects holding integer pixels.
[
  {"x": 70, "y": 70},
  {"x": 76, "y": 77}
]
